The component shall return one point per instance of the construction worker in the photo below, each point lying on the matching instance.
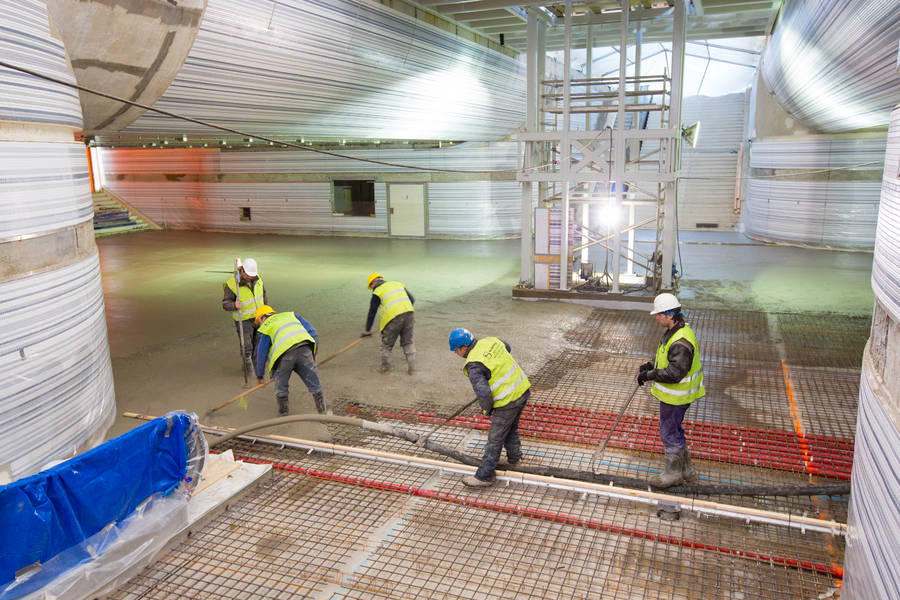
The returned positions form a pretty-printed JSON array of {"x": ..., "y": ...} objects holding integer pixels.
[
  {"x": 677, "y": 377},
  {"x": 394, "y": 303},
  {"x": 502, "y": 389},
  {"x": 287, "y": 343},
  {"x": 242, "y": 301}
]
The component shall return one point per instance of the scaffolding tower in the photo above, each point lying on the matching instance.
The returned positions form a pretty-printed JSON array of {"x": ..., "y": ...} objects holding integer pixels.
[{"x": 597, "y": 147}]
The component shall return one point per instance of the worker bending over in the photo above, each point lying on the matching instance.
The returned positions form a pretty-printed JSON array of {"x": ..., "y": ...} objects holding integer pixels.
[
  {"x": 393, "y": 302},
  {"x": 677, "y": 377},
  {"x": 502, "y": 389},
  {"x": 287, "y": 343},
  {"x": 242, "y": 300}
]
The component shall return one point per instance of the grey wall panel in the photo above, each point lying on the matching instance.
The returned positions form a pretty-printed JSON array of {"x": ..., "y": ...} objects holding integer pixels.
[
  {"x": 341, "y": 68},
  {"x": 25, "y": 41},
  {"x": 708, "y": 171},
  {"x": 832, "y": 64},
  {"x": 467, "y": 207},
  {"x": 886, "y": 261},
  {"x": 814, "y": 208},
  {"x": 43, "y": 187},
  {"x": 873, "y": 555},
  {"x": 275, "y": 207},
  {"x": 475, "y": 208},
  {"x": 57, "y": 395}
]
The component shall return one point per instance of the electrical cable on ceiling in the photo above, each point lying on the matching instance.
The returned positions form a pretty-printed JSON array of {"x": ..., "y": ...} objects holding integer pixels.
[
  {"x": 253, "y": 135},
  {"x": 357, "y": 158}
]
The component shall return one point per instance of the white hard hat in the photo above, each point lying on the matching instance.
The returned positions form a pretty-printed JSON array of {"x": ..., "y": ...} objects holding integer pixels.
[
  {"x": 664, "y": 302},
  {"x": 250, "y": 267}
]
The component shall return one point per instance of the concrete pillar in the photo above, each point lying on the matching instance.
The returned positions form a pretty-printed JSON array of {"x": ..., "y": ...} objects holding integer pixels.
[
  {"x": 57, "y": 397},
  {"x": 129, "y": 49}
]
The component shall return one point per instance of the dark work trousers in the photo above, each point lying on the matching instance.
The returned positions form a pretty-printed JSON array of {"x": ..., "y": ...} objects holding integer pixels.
[
  {"x": 400, "y": 326},
  {"x": 504, "y": 432},
  {"x": 670, "y": 430},
  {"x": 298, "y": 359},
  {"x": 249, "y": 340}
]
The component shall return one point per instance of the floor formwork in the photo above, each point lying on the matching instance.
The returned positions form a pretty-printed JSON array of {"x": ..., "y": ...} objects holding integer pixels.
[{"x": 780, "y": 409}]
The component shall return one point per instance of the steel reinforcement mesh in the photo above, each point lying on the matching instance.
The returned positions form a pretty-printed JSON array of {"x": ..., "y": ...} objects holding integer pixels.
[{"x": 337, "y": 527}]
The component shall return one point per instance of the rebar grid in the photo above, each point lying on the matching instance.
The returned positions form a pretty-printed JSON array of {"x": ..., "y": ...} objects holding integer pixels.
[{"x": 337, "y": 527}]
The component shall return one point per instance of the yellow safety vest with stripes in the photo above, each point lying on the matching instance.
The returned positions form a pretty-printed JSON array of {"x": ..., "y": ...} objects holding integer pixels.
[
  {"x": 286, "y": 331},
  {"x": 508, "y": 381},
  {"x": 394, "y": 301},
  {"x": 690, "y": 388},
  {"x": 250, "y": 299}
]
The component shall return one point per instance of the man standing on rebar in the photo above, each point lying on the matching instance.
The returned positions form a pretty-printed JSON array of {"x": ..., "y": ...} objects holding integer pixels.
[
  {"x": 393, "y": 302},
  {"x": 502, "y": 389},
  {"x": 677, "y": 377},
  {"x": 242, "y": 300},
  {"x": 287, "y": 344}
]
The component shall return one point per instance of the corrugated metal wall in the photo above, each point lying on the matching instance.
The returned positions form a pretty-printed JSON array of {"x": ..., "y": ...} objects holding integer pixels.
[
  {"x": 58, "y": 387},
  {"x": 886, "y": 261},
  {"x": 43, "y": 187},
  {"x": 339, "y": 69},
  {"x": 872, "y": 562},
  {"x": 25, "y": 41},
  {"x": 181, "y": 188},
  {"x": 823, "y": 208},
  {"x": 832, "y": 64},
  {"x": 57, "y": 394}
]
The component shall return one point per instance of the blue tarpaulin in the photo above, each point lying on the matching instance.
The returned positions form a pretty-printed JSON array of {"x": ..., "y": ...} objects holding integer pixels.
[{"x": 42, "y": 515}]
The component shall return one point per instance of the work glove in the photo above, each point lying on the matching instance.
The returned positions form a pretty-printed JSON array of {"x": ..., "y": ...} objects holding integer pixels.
[
  {"x": 642, "y": 377},
  {"x": 645, "y": 367}
]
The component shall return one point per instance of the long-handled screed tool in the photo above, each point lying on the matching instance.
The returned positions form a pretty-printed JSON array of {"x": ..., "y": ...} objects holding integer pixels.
[
  {"x": 602, "y": 446},
  {"x": 240, "y": 321},
  {"x": 423, "y": 438},
  {"x": 265, "y": 383}
]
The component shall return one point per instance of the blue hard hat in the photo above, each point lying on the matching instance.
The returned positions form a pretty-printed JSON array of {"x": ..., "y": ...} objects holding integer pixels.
[{"x": 460, "y": 337}]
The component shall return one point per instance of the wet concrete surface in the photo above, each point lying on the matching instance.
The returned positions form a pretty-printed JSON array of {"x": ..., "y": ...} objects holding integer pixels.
[{"x": 173, "y": 347}]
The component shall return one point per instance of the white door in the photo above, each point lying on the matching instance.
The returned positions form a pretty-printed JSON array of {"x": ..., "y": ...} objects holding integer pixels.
[{"x": 406, "y": 209}]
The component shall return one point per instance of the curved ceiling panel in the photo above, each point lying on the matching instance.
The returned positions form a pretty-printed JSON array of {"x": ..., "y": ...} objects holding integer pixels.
[
  {"x": 339, "y": 69},
  {"x": 833, "y": 64}
]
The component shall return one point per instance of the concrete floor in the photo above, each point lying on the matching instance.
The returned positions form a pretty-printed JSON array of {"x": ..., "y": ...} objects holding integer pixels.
[{"x": 173, "y": 347}]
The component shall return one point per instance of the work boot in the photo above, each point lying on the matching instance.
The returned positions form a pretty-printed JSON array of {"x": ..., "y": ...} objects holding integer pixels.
[
  {"x": 472, "y": 481},
  {"x": 410, "y": 351},
  {"x": 512, "y": 462},
  {"x": 385, "y": 365},
  {"x": 687, "y": 469},
  {"x": 282, "y": 406},
  {"x": 672, "y": 475},
  {"x": 319, "y": 398}
]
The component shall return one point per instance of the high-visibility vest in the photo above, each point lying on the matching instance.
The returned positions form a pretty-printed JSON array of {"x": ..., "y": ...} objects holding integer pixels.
[
  {"x": 250, "y": 299},
  {"x": 394, "y": 301},
  {"x": 286, "y": 331},
  {"x": 690, "y": 388},
  {"x": 508, "y": 381}
]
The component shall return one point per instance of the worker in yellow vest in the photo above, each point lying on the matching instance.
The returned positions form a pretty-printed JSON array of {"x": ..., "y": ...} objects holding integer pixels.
[
  {"x": 287, "y": 344},
  {"x": 677, "y": 377},
  {"x": 502, "y": 389},
  {"x": 393, "y": 304},
  {"x": 242, "y": 300}
]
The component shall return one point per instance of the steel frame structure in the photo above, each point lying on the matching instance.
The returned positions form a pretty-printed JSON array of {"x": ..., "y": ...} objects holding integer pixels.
[{"x": 584, "y": 167}]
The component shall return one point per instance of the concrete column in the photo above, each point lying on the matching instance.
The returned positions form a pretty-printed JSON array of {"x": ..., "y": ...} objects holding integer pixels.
[
  {"x": 620, "y": 146},
  {"x": 129, "y": 49},
  {"x": 565, "y": 155},
  {"x": 57, "y": 398},
  {"x": 670, "y": 227}
]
